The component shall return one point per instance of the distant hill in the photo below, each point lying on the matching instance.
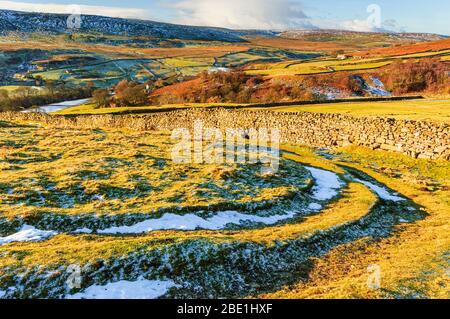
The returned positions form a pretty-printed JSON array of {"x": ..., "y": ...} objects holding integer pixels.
[
  {"x": 342, "y": 35},
  {"x": 25, "y": 22},
  {"x": 57, "y": 23}
]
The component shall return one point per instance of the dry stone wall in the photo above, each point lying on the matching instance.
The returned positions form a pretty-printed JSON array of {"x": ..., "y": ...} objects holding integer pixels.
[{"x": 419, "y": 139}]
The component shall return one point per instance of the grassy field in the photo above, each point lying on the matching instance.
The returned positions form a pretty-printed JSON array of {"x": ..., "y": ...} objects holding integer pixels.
[
  {"x": 424, "y": 109},
  {"x": 66, "y": 172},
  {"x": 82, "y": 61},
  {"x": 64, "y": 179},
  {"x": 311, "y": 46},
  {"x": 108, "y": 67},
  {"x": 79, "y": 63},
  {"x": 414, "y": 263},
  {"x": 91, "y": 109},
  {"x": 114, "y": 204},
  {"x": 415, "y": 48},
  {"x": 427, "y": 109},
  {"x": 315, "y": 67},
  {"x": 327, "y": 65}
]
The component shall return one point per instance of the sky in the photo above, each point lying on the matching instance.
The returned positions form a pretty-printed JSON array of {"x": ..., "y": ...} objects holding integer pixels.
[{"x": 431, "y": 16}]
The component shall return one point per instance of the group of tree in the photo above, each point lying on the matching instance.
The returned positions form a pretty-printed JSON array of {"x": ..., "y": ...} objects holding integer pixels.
[
  {"x": 29, "y": 97},
  {"x": 235, "y": 86},
  {"x": 125, "y": 93},
  {"x": 430, "y": 75}
]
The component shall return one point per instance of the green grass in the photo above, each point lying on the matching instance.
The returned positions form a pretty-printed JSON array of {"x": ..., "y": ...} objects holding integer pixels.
[
  {"x": 414, "y": 262},
  {"x": 44, "y": 167},
  {"x": 51, "y": 170},
  {"x": 361, "y": 66},
  {"x": 325, "y": 65},
  {"x": 318, "y": 66},
  {"x": 11, "y": 89},
  {"x": 90, "y": 108},
  {"x": 424, "y": 109},
  {"x": 427, "y": 109},
  {"x": 444, "y": 53}
]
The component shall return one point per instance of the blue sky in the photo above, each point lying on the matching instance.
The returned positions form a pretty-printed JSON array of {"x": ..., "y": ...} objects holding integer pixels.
[{"x": 398, "y": 15}]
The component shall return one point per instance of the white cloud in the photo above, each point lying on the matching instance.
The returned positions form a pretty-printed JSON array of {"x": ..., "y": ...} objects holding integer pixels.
[
  {"x": 241, "y": 14},
  {"x": 390, "y": 25},
  {"x": 234, "y": 14},
  {"x": 85, "y": 9},
  {"x": 357, "y": 25}
]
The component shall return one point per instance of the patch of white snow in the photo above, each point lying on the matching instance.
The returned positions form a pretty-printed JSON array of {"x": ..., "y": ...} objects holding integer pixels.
[
  {"x": 381, "y": 192},
  {"x": 140, "y": 289},
  {"x": 83, "y": 230},
  {"x": 98, "y": 198},
  {"x": 326, "y": 185},
  {"x": 315, "y": 206},
  {"x": 27, "y": 233},
  {"x": 55, "y": 107},
  {"x": 192, "y": 222}
]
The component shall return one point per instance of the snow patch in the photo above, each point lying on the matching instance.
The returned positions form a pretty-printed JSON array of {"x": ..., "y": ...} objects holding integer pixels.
[
  {"x": 192, "y": 222},
  {"x": 377, "y": 88},
  {"x": 315, "y": 206},
  {"x": 27, "y": 233},
  {"x": 327, "y": 183},
  {"x": 2, "y": 293},
  {"x": 218, "y": 69},
  {"x": 140, "y": 289},
  {"x": 381, "y": 192},
  {"x": 98, "y": 198},
  {"x": 330, "y": 93},
  {"x": 83, "y": 230},
  {"x": 57, "y": 106}
]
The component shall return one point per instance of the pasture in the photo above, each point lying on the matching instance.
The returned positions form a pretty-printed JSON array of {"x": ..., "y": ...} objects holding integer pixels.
[
  {"x": 425, "y": 109},
  {"x": 114, "y": 204}
]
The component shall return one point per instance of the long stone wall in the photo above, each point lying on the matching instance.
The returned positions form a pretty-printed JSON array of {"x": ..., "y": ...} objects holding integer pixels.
[{"x": 418, "y": 139}]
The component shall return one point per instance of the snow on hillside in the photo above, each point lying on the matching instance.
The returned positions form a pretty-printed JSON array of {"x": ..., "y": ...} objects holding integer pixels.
[
  {"x": 57, "y": 23},
  {"x": 140, "y": 289},
  {"x": 27, "y": 233}
]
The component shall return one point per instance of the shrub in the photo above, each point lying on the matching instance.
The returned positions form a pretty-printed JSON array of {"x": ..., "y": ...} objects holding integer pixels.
[
  {"x": 101, "y": 98},
  {"x": 25, "y": 97},
  {"x": 425, "y": 75},
  {"x": 130, "y": 94}
]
